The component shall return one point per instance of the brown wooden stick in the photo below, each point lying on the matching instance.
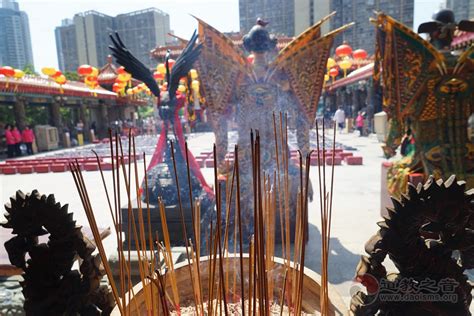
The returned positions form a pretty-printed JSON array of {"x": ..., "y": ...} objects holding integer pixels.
[
  {"x": 129, "y": 267},
  {"x": 116, "y": 226},
  {"x": 141, "y": 222},
  {"x": 118, "y": 216},
  {"x": 286, "y": 187},
  {"x": 227, "y": 221},
  {"x": 150, "y": 235},
  {"x": 196, "y": 279},
  {"x": 210, "y": 270},
  {"x": 255, "y": 218},
  {"x": 277, "y": 154},
  {"x": 164, "y": 225},
  {"x": 264, "y": 285},
  {"x": 82, "y": 190},
  {"x": 251, "y": 301},
  {"x": 180, "y": 206},
  {"x": 221, "y": 258},
  {"x": 133, "y": 226},
  {"x": 283, "y": 290},
  {"x": 193, "y": 218},
  {"x": 304, "y": 233},
  {"x": 332, "y": 182},
  {"x": 141, "y": 226},
  {"x": 239, "y": 214}
]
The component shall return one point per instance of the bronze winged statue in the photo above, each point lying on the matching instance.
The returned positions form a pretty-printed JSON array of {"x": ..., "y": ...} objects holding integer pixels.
[{"x": 161, "y": 177}]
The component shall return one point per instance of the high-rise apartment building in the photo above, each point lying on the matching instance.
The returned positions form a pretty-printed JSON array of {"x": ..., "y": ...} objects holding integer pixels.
[
  {"x": 85, "y": 39},
  {"x": 143, "y": 31},
  {"x": 15, "y": 39},
  {"x": 463, "y": 9},
  {"x": 362, "y": 34},
  {"x": 280, "y": 14},
  {"x": 92, "y": 37},
  {"x": 66, "y": 46},
  {"x": 308, "y": 12}
]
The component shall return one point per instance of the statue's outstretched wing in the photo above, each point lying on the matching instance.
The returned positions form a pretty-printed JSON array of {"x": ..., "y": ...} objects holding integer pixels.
[
  {"x": 304, "y": 61},
  {"x": 408, "y": 61},
  {"x": 221, "y": 67},
  {"x": 132, "y": 65},
  {"x": 311, "y": 33},
  {"x": 184, "y": 63}
]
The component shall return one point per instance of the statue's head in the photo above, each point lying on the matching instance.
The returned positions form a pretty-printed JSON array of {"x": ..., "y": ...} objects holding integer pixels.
[
  {"x": 258, "y": 39},
  {"x": 441, "y": 29}
]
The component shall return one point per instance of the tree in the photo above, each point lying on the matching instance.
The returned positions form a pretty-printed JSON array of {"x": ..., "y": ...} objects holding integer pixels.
[
  {"x": 29, "y": 70},
  {"x": 145, "y": 111},
  {"x": 72, "y": 76}
]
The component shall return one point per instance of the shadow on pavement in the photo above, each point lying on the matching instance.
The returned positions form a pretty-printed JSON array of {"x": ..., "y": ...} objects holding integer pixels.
[{"x": 342, "y": 263}]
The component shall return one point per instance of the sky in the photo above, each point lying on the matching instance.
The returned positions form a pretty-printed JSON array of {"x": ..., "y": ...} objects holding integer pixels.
[
  {"x": 45, "y": 15},
  {"x": 424, "y": 10}
]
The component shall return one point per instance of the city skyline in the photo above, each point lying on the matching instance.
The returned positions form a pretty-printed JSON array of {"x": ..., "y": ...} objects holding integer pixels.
[
  {"x": 46, "y": 15},
  {"x": 361, "y": 34},
  {"x": 84, "y": 39},
  {"x": 222, "y": 14},
  {"x": 15, "y": 39}
]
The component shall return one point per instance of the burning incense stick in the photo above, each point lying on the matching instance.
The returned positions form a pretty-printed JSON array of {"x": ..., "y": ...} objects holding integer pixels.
[
  {"x": 79, "y": 181},
  {"x": 271, "y": 200}
]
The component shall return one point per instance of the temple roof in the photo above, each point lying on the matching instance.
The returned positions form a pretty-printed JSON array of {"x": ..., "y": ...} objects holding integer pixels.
[
  {"x": 160, "y": 52},
  {"x": 363, "y": 73},
  {"x": 41, "y": 85},
  {"x": 30, "y": 84},
  {"x": 108, "y": 73}
]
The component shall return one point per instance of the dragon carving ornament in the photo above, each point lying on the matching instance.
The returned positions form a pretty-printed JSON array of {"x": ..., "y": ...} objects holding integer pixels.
[
  {"x": 51, "y": 286},
  {"x": 429, "y": 236}
]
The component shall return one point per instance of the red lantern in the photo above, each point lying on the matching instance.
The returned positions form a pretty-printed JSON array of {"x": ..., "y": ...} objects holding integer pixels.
[
  {"x": 121, "y": 70},
  {"x": 250, "y": 58},
  {"x": 158, "y": 75},
  {"x": 84, "y": 70},
  {"x": 117, "y": 87},
  {"x": 359, "y": 54},
  {"x": 343, "y": 50},
  {"x": 171, "y": 63},
  {"x": 7, "y": 71},
  {"x": 60, "y": 79},
  {"x": 57, "y": 74},
  {"x": 333, "y": 72},
  {"x": 91, "y": 79}
]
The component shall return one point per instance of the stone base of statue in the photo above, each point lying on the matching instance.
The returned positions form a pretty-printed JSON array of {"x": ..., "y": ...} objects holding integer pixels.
[{"x": 173, "y": 220}]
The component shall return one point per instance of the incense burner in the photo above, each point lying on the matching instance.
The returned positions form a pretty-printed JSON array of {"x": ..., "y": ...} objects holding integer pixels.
[{"x": 311, "y": 288}]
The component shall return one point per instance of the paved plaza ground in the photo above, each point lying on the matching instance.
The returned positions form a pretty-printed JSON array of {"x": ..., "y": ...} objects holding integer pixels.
[{"x": 356, "y": 204}]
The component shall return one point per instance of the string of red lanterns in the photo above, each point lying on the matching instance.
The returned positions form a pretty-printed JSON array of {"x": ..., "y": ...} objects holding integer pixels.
[{"x": 344, "y": 60}]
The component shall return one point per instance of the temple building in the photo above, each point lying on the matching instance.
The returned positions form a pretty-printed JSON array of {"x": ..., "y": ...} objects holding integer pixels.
[{"x": 99, "y": 105}]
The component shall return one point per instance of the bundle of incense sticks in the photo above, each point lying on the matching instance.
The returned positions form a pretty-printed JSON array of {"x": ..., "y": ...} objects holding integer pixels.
[{"x": 253, "y": 288}]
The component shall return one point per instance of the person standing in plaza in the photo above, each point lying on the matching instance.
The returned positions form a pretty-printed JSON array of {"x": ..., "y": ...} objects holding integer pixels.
[
  {"x": 339, "y": 118},
  {"x": 16, "y": 134},
  {"x": 10, "y": 139},
  {"x": 80, "y": 132},
  {"x": 360, "y": 123},
  {"x": 28, "y": 138}
]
